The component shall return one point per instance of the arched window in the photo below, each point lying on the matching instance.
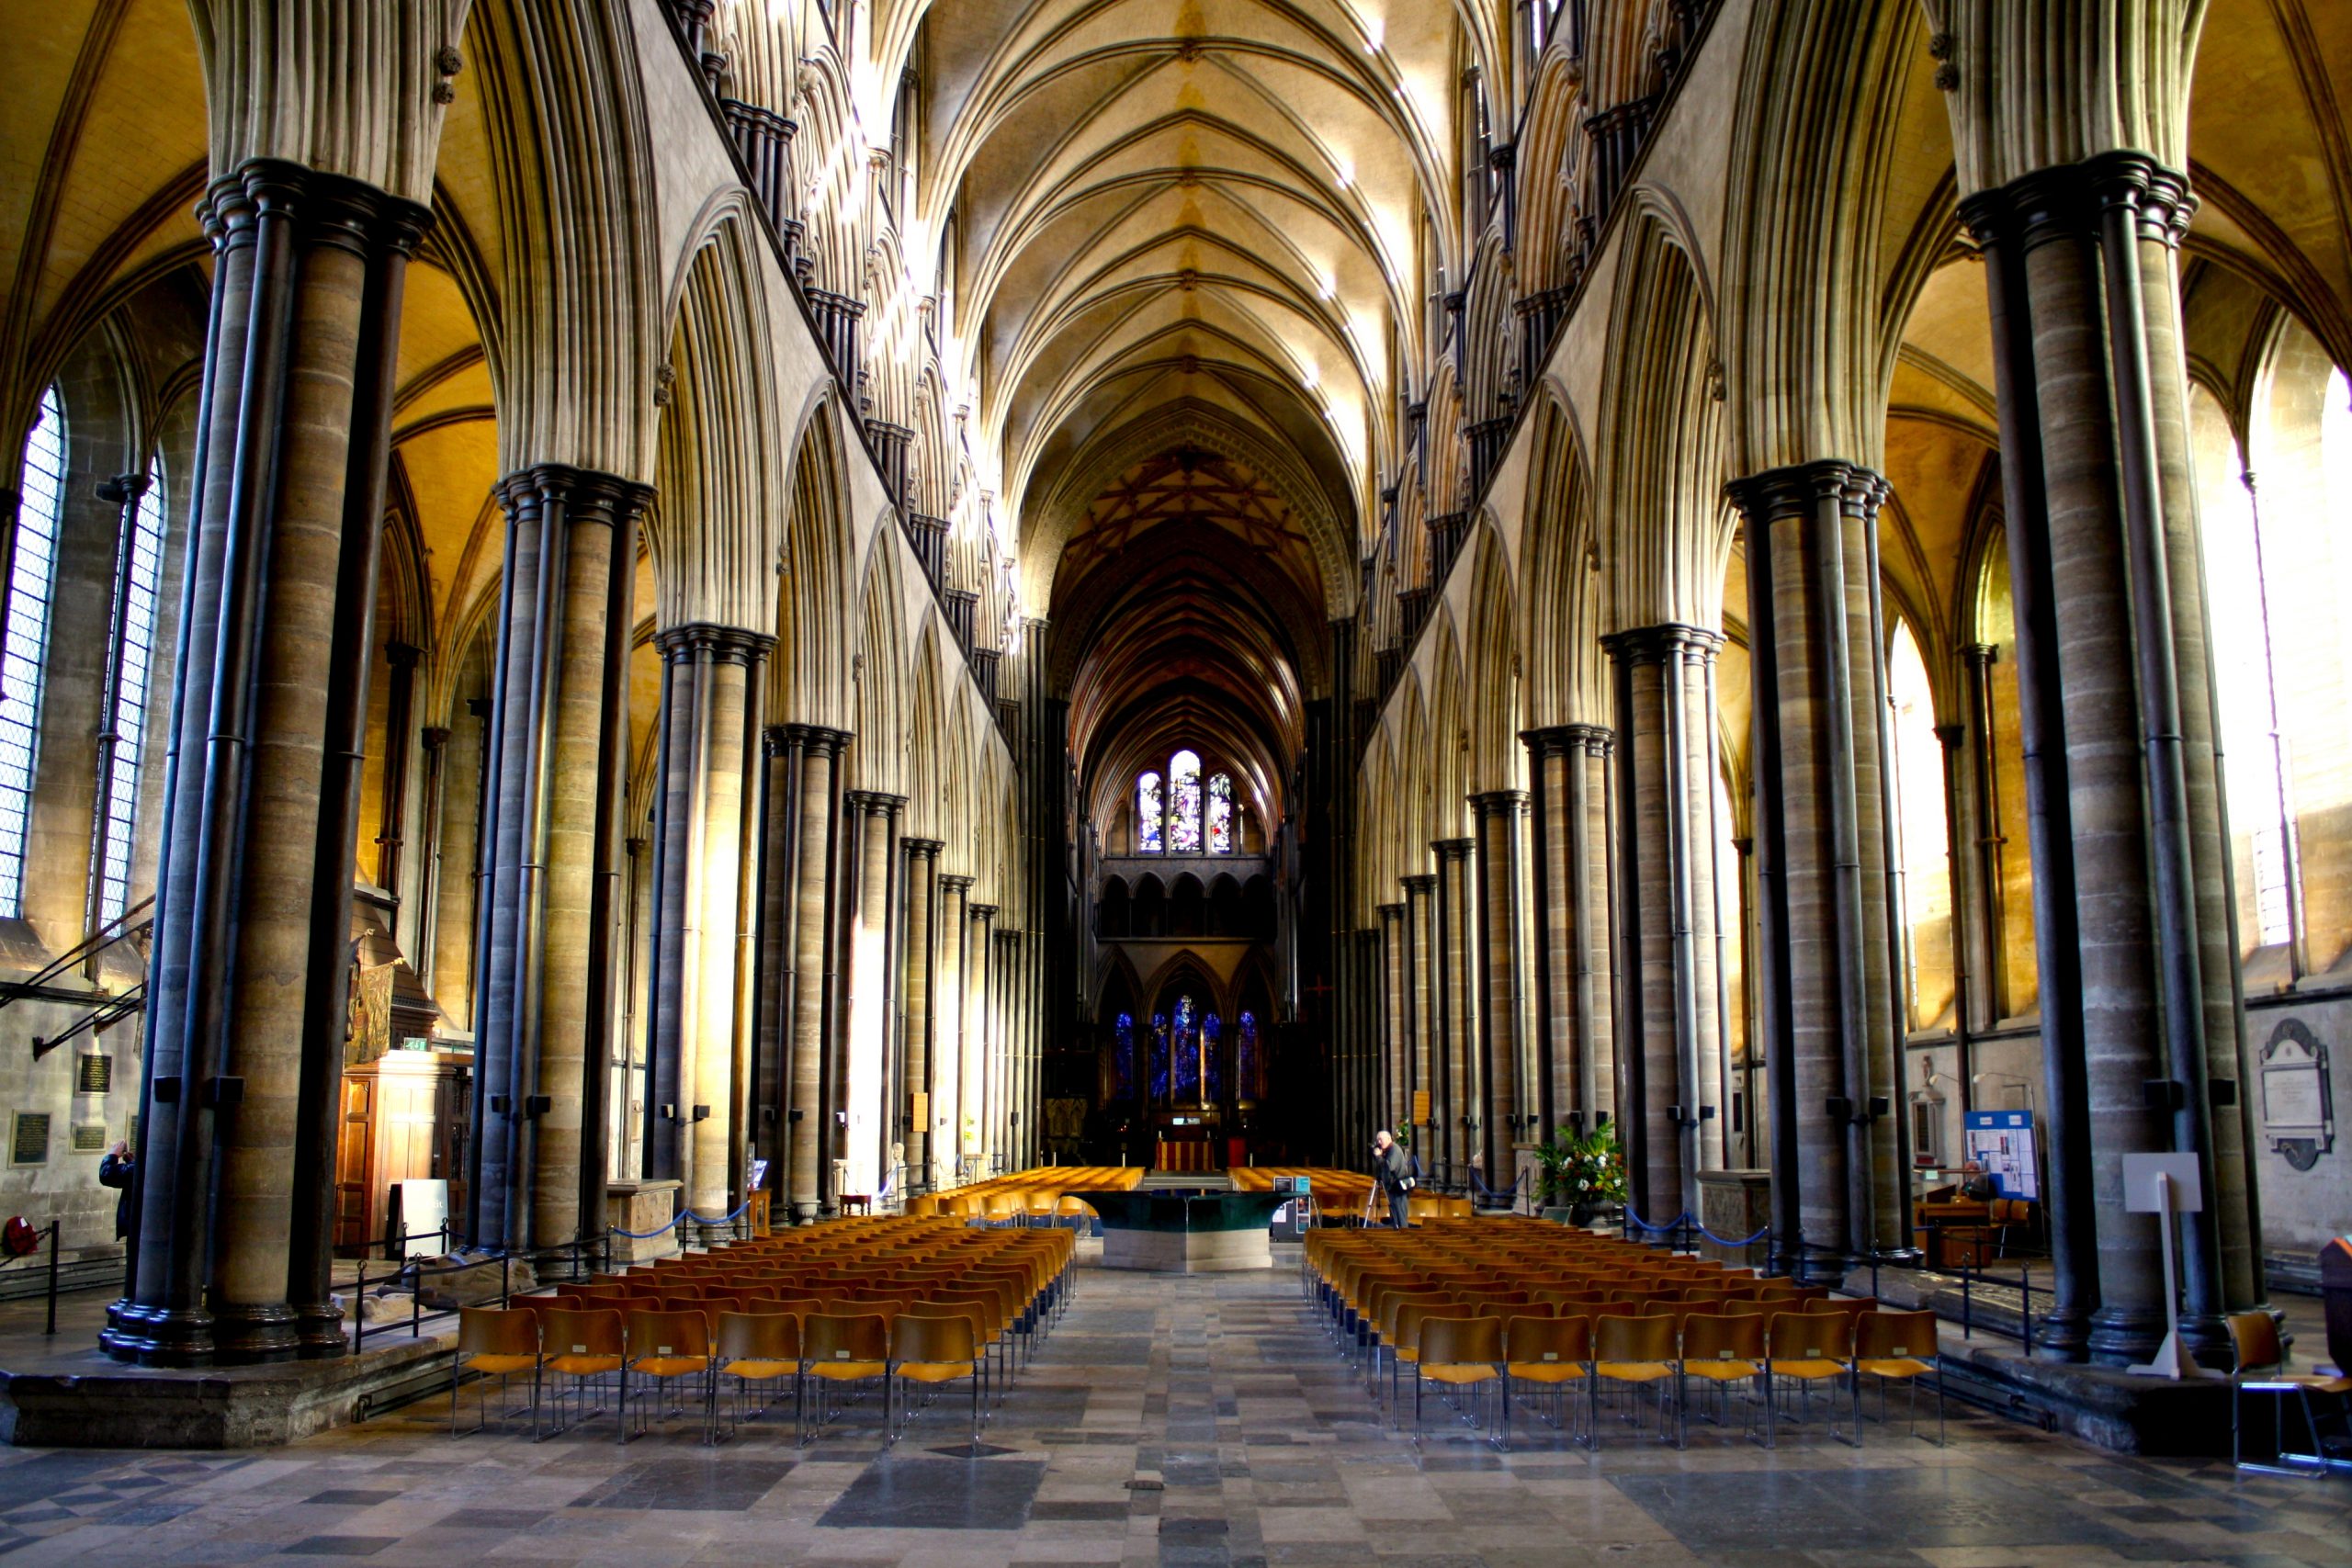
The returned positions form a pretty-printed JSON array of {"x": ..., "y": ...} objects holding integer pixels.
[
  {"x": 122, "y": 735},
  {"x": 1249, "y": 1080},
  {"x": 1184, "y": 804},
  {"x": 1922, "y": 845},
  {"x": 32, "y": 567},
  {"x": 1148, "y": 814},
  {"x": 1220, "y": 815}
]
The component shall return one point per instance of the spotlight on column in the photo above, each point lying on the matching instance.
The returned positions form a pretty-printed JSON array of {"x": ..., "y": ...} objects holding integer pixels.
[
  {"x": 1674, "y": 1114},
  {"x": 797, "y": 1113},
  {"x": 1707, "y": 1112},
  {"x": 2163, "y": 1094},
  {"x": 668, "y": 1112},
  {"x": 539, "y": 1105},
  {"x": 498, "y": 1102},
  {"x": 767, "y": 1115},
  {"x": 1880, "y": 1105},
  {"x": 2225, "y": 1091},
  {"x": 1837, "y": 1108},
  {"x": 702, "y": 1113}
]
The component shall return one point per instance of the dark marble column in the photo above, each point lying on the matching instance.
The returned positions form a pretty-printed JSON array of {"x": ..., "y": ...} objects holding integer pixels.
[
  {"x": 1833, "y": 993},
  {"x": 1454, "y": 1072},
  {"x": 981, "y": 1093},
  {"x": 1577, "y": 1058},
  {"x": 916, "y": 982},
  {"x": 392, "y": 814},
  {"x": 1419, "y": 1100},
  {"x": 246, "y": 1014},
  {"x": 2142, "y": 1047},
  {"x": 1670, "y": 1012},
  {"x": 947, "y": 1010},
  {"x": 1394, "y": 1109},
  {"x": 1500, "y": 817}
]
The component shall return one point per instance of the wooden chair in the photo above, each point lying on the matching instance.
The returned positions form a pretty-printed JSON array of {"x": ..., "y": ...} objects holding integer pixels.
[
  {"x": 1890, "y": 1346},
  {"x": 1808, "y": 1348},
  {"x": 754, "y": 1348},
  {"x": 933, "y": 1351},
  {"x": 1633, "y": 1352},
  {"x": 1721, "y": 1351},
  {"x": 2259, "y": 1365},
  {"x": 842, "y": 1348},
  {"x": 495, "y": 1342},
  {"x": 667, "y": 1346},
  {"x": 1548, "y": 1353},
  {"x": 1461, "y": 1353},
  {"x": 582, "y": 1346}
]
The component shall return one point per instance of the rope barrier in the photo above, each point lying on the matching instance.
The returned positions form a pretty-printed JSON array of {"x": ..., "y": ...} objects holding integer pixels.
[
  {"x": 672, "y": 1223},
  {"x": 1641, "y": 1224}
]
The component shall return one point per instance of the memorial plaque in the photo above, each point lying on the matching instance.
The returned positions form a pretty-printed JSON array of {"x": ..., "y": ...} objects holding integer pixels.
[
  {"x": 93, "y": 1074},
  {"x": 2298, "y": 1101},
  {"x": 29, "y": 1138},
  {"x": 89, "y": 1138}
]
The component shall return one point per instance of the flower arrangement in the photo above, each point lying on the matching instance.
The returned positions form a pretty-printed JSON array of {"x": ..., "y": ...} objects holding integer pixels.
[{"x": 1580, "y": 1170}]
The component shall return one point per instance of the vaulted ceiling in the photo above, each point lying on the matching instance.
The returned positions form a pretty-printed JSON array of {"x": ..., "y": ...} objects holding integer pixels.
[{"x": 1190, "y": 242}]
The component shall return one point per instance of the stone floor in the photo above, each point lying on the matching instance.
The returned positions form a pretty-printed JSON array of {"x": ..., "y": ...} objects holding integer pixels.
[{"x": 1199, "y": 1420}]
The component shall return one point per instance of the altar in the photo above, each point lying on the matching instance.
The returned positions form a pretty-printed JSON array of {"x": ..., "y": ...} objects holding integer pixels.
[{"x": 1186, "y": 1231}]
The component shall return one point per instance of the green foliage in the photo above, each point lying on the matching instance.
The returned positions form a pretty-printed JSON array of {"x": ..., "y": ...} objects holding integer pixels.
[{"x": 1574, "y": 1170}]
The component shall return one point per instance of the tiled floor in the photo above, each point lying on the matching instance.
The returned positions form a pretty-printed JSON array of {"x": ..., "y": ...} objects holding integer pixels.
[{"x": 1179, "y": 1421}]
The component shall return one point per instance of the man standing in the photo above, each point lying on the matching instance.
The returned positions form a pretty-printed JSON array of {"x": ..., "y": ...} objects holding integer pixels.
[{"x": 1392, "y": 1169}]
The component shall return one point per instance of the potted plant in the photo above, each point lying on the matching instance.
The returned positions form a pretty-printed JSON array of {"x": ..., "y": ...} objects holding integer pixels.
[{"x": 1576, "y": 1173}]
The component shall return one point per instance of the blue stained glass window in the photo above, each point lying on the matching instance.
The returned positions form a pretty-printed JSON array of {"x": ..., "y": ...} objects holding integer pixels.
[
  {"x": 1220, "y": 815},
  {"x": 1160, "y": 1058},
  {"x": 1212, "y": 1060},
  {"x": 25, "y": 643},
  {"x": 1148, "y": 814},
  {"x": 1184, "y": 804},
  {"x": 1187, "y": 1050},
  {"x": 1252, "y": 1082},
  {"x": 1122, "y": 1058}
]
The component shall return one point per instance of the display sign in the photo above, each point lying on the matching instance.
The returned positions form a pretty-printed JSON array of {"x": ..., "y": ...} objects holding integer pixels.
[
  {"x": 29, "y": 1138},
  {"x": 2003, "y": 1142},
  {"x": 420, "y": 1216}
]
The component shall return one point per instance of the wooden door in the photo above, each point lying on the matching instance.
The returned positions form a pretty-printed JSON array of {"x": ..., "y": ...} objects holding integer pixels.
[{"x": 354, "y": 1209}]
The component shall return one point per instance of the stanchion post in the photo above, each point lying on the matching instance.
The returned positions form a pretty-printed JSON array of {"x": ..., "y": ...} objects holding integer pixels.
[{"x": 54, "y": 1233}]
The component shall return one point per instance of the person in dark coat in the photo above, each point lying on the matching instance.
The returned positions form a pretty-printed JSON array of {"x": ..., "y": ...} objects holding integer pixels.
[
  {"x": 1392, "y": 1169},
  {"x": 120, "y": 1170}
]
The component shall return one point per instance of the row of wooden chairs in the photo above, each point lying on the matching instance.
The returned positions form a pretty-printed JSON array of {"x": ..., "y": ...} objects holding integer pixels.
[
  {"x": 1035, "y": 1196},
  {"x": 645, "y": 1351}
]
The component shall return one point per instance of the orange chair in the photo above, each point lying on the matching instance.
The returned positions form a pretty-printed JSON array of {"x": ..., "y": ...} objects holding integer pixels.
[
  {"x": 495, "y": 1342},
  {"x": 842, "y": 1348},
  {"x": 1549, "y": 1352},
  {"x": 666, "y": 1346},
  {"x": 1722, "y": 1351},
  {"x": 1635, "y": 1351},
  {"x": 755, "y": 1350},
  {"x": 1808, "y": 1348},
  {"x": 1890, "y": 1345},
  {"x": 582, "y": 1346},
  {"x": 933, "y": 1351},
  {"x": 1462, "y": 1353}
]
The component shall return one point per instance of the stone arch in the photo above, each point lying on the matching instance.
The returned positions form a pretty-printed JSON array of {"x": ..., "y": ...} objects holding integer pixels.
[
  {"x": 809, "y": 674},
  {"x": 1494, "y": 668}
]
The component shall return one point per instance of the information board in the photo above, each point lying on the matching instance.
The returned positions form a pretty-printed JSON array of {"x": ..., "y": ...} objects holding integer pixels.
[{"x": 2003, "y": 1142}]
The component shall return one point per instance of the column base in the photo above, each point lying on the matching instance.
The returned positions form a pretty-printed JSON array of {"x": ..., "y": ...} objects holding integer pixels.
[
  {"x": 158, "y": 1337},
  {"x": 2061, "y": 1333},
  {"x": 2206, "y": 1337},
  {"x": 318, "y": 1331},
  {"x": 2125, "y": 1337},
  {"x": 245, "y": 1334}
]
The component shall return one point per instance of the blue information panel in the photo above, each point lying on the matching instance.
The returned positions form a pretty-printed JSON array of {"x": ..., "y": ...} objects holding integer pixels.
[{"x": 2003, "y": 1142}]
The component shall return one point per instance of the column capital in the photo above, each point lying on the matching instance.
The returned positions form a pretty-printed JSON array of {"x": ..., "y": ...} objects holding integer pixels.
[
  {"x": 1554, "y": 739},
  {"x": 432, "y": 736},
  {"x": 1980, "y": 655},
  {"x": 585, "y": 495},
  {"x": 1452, "y": 849},
  {"x": 1952, "y": 737},
  {"x": 722, "y": 645},
  {"x": 816, "y": 738},
  {"x": 1499, "y": 802},
  {"x": 1389, "y": 911},
  {"x": 955, "y": 882},
  {"x": 333, "y": 209},
  {"x": 876, "y": 803},
  {"x": 921, "y": 848},
  {"x": 983, "y": 913},
  {"x": 1655, "y": 645},
  {"x": 402, "y": 655},
  {"x": 1423, "y": 882},
  {"x": 1798, "y": 489}
]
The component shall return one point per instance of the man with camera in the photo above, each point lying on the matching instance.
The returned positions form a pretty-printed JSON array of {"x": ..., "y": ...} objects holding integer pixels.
[{"x": 1392, "y": 1169}]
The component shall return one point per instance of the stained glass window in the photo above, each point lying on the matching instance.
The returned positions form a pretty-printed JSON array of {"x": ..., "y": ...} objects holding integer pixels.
[
  {"x": 1184, "y": 804},
  {"x": 25, "y": 641},
  {"x": 1212, "y": 1061},
  {"x": 139, "y": 572},
  {"x": 1123, "y": 1058},
  {"x": 1187, "y": 1047},
  {"x": 1251, "y": 1074},
  {"x": 1148, "y": 814},
  {"x": 1220, "y": 815},
  {"x": 1160, "y": 1058}
]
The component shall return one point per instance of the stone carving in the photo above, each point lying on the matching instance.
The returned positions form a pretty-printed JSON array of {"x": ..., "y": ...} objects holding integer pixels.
[{"x": 2298, "y": 1105}]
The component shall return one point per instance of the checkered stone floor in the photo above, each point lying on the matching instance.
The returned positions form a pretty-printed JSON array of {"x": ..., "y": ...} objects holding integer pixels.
[{"x": 1184, "y": 1421}]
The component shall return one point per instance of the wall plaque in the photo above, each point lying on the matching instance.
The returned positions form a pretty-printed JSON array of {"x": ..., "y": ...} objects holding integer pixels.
[
  {"x": 89, "y": 1138},
  {"x": 29, "y": 1138},
  {"x": 93, "y": 1073},
  {"x": 2298, "y": 1103}
]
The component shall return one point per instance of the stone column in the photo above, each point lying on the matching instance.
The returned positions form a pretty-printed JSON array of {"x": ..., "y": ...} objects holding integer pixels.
[
  {"x": 391, "y": 816},
  {"x": 1420, "y": 1008},
  {"x": 1671, "y": 1012},
  {"x": 1500, "y": 814},
  {"x": 433, "y": 739},
  {"x": 916, "y": 980},
  {"x": 979, "y": 1092},
  {"x": 874, "y": 820},
  {"x": 246, "y": 1013},
  {"x": 1831, "y": 989},
  {"x": 947, "y": 1029},
  {"x": 1990, "y": 954},
  {"x": 457, "y": 905},
  {"x": 1576, "y": 1066},
  {"x": 1008, "y": 1053},
  {"x": 814, "y": 853},
  {"x": 1395, "y": 984},
  {"x": 2142, "y": 1044},
  {"x": 1460, "y": 1079}
]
